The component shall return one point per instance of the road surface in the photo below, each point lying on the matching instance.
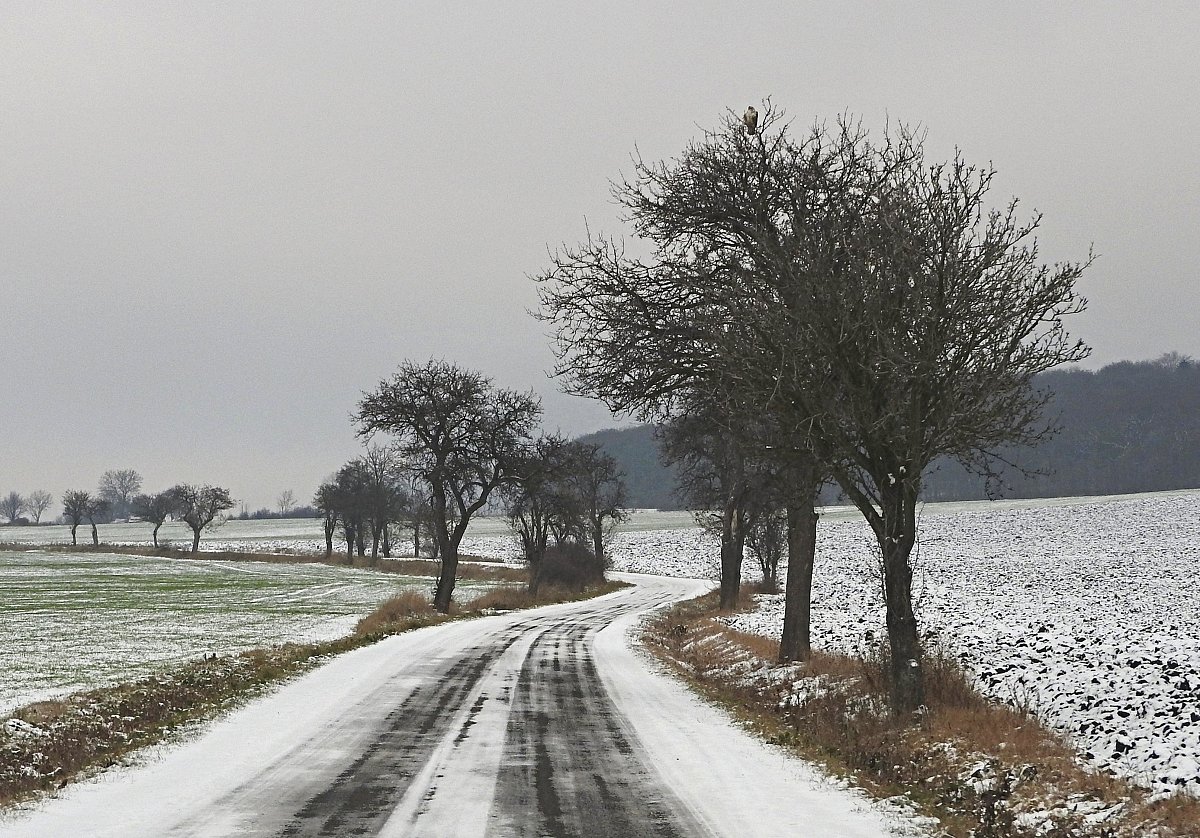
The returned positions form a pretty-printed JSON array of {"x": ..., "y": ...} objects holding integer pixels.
[{"x": 535, "y": 723}]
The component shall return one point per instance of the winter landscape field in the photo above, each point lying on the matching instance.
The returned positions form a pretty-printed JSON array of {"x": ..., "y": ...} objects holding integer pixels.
[
  {"x": 1083, "y": 610},
  {"x": 72, "y": 621}
]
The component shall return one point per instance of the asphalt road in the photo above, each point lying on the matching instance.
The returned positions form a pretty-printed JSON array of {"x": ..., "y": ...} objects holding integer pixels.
[{"x": 538, "y": 723}]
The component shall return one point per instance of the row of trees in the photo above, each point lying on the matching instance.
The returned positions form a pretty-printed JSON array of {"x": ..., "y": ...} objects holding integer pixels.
[
  {"x": 563, "y": 492},
  {"x": 14, "y": 506},
  {"x": 117, "y": 488},
  {"x": 197, "y": 506},
  {"x": 821, "y": 306},
  {"x": 371, "y": 498},
  {"x": 457, "y": 445}
]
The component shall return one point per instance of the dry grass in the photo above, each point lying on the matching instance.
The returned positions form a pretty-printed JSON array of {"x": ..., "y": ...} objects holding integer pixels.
[
  {"x": 974, "y": 765},
  {"x": 400, "y": 613}
]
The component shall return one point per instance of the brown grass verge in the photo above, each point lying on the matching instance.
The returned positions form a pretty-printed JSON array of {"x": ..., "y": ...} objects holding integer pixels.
[
  {"x": 45, "y": 745},
  {"x": 983, "y": 770}
]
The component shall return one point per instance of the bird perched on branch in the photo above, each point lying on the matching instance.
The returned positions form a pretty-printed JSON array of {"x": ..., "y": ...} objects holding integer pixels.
[{"x": 750, "y": 120}]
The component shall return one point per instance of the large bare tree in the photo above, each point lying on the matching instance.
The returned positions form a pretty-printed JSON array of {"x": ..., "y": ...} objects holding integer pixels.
[
  {"x": 658, "y": 336},
  {"x": 865, "y": 300},
  {"x": 459, "y": 434}
]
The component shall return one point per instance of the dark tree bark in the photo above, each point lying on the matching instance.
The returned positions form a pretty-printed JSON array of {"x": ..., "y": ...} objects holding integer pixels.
[
  {"x": 733, "y": 551},
  {"x": 795, "y": 643}
]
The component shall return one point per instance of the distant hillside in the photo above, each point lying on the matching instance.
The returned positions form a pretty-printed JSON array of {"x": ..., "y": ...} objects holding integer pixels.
[
  {"x": 1129, "y": 427},
  {"x": 651, "y": 485}
]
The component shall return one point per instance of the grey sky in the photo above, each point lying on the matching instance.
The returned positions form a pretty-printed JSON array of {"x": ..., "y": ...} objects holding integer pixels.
[{"x": 222, "y": 222}]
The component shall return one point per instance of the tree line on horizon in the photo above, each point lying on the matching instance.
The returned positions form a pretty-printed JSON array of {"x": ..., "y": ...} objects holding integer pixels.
[
  {"x": 118, "y": 498},
  {"x": 1130, "y": 426}
]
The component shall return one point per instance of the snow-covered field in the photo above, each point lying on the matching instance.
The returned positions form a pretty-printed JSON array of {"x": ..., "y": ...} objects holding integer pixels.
[
  {"x": 71, "y": 621},
  {"x": 1086, "y": 610}
]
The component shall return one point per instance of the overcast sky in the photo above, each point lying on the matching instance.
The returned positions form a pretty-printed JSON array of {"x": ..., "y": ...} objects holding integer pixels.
[{"x": 220, "y": 223}]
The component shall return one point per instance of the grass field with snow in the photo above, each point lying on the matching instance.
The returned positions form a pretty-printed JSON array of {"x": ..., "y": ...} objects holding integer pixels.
[{"x": 72, "y": 620}]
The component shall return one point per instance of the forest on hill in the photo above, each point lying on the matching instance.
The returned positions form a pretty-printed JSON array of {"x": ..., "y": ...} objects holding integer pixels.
[{"x": 1132, "y": 426}]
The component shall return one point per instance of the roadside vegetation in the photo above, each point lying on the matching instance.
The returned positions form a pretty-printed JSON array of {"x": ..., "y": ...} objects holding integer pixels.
[
  {"x": 982, "y": 769},
  {"x": 45, "y": 745}
]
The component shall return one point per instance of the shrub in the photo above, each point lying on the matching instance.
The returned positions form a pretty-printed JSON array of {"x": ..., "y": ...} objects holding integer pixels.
[
  {"x": 398, "y": 610},
  {"x": 571, "y": 566}
]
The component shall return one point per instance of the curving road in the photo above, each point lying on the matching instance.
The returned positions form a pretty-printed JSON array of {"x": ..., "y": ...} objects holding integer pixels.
[{"x": 536, "y": 723}]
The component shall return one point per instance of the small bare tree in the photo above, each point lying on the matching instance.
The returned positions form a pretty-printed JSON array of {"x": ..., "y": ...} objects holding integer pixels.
[
  {"x": 199, "y": 507},
  {"x": 155, "y": 508},
  {"x": 76, "y": 503},
  {"x": 766, "y": 539},
  {"x": 326, "y": 501},
  {"x": 286, "y": 502},
  {"x": 97, "y": 510},
  {"x": 11, "y": 506},
  {"x": 118, "y": 486},
  {"x": 37, "y": 503}
]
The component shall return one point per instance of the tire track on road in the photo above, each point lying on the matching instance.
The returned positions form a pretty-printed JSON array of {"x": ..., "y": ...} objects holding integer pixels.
[
  {"x": 348, "y": 781},
  {"x": 571, "y": 764}
]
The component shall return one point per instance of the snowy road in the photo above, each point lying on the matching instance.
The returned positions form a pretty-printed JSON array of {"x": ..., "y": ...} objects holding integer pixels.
[{"x": 537, "y": 723}]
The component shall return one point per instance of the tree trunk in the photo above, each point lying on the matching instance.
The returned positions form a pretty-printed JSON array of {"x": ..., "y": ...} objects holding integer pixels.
[
  {"x": 535, "y": 577},
  {"x": 387, "y": 542},
  {"x": 155, "y": 534},
  {"x": 74, "y": 540},
  {"x": 733, "y": 543},
  {"x": 375, "y": 535},
  {"x": 445, "y": 584},
  {"x": 416, "y": 539},
  {"x": 899, "y": 537},
  {"x": 597, "y": 526},
  {"x": 95, "y": 536},
  {"x": 196, "y": 539},
  {"x": 795, "y": 642}
]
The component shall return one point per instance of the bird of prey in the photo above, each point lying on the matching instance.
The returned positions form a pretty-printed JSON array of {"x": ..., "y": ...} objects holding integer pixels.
[{"x": 750, "y": 120}]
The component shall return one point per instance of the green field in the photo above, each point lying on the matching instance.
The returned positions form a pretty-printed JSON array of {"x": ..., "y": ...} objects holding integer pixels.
[{"x": 71, "y": 621}]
